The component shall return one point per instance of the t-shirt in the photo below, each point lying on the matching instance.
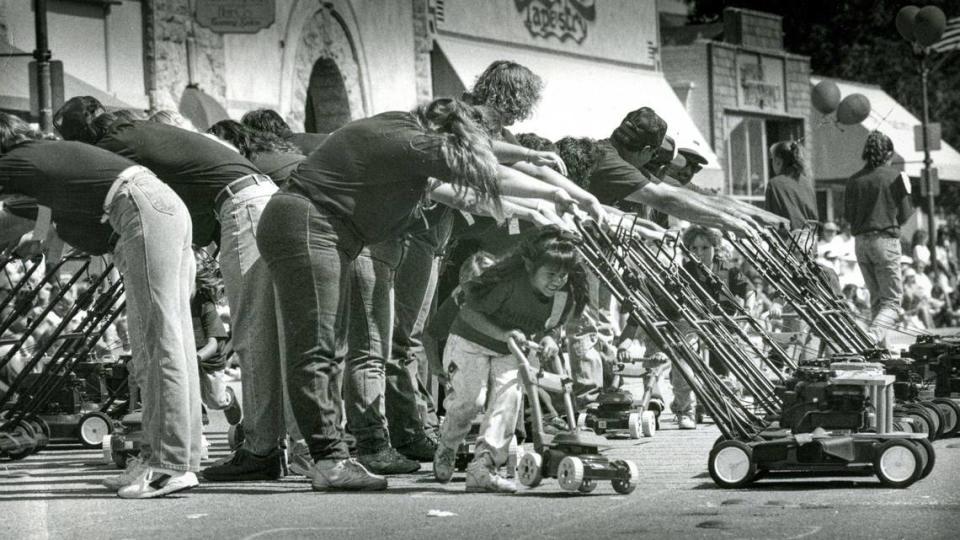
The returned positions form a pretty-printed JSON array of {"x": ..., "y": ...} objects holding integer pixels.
[
  {"x": 72, "y": 179},
  {"x": 206, "y": 322},
  {"x": 792, "y": 199},
  {"x": 277, "y": 165},
  {"x": 613, "y": 178},
  {"x": 307, "y": 142},
  {"x": 877, "y": 200},
  {"x": 374, "y": 173},
  {"x": 513, "y": 305},
  {"x": 193, "y": 165}
]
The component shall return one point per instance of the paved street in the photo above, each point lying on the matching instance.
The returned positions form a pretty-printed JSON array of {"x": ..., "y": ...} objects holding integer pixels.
[{"x": 56, "y": 494}]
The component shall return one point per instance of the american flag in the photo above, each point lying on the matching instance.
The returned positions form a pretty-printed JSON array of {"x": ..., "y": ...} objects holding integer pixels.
[{"x": 951, "y": 37}]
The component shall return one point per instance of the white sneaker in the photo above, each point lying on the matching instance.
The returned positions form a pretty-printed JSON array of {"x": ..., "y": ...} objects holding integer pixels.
[
  {"x": 135, "y": 466},
  {"x": 156, "y": 482}
]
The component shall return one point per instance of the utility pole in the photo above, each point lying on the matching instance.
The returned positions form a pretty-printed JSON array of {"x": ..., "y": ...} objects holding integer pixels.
[
  {"x": 42, "y": 55},
  {"x": 923, "y": 27},
  {"x": 928, "y": 180}
]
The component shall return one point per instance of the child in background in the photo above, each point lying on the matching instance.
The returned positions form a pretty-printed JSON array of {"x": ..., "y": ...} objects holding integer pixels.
[
  {"x": 210, "y": 335},
  {"x": 530, "y": 293}
]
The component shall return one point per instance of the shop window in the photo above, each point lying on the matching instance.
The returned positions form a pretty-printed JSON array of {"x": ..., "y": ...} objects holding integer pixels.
[{"x": 747, "y": 143}]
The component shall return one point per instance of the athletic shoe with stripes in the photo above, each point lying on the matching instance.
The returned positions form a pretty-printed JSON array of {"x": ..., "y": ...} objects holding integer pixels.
[{"x": 154, "y": 482}]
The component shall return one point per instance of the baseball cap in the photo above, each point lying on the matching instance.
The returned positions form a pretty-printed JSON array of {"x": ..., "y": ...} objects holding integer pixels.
[
  {"x": 830, "y": 226},
  {"x": 667, "y": 151},
  {"x": 692, "y": 156},
  {"x": 639, "y": 129}
]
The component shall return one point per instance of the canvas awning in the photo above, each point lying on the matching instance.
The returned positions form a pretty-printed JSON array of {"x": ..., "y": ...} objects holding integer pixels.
[
  {"x": 15, "y": 85},
  {"x": 201, "y": 108},
  {"x": 584, "y": 97},
  {"x": 836, "y": 148}
]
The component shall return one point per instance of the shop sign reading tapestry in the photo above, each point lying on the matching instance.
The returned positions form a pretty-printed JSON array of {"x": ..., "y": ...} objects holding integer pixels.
[
  {"x": 562, "y": 19},
  {"x": 235, "y": 16}
]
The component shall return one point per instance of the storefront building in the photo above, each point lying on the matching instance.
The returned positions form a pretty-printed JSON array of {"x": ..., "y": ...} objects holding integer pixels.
[
  {"x": 741, "y": 89},
  {"x": 324, "y": 63}
]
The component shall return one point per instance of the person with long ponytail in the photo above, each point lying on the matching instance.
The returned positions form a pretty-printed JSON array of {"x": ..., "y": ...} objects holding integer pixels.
[
  {"x": 876, "y": 203},
  {"x": 789, "y": 193},
  {"x": 359, "y": 192}
]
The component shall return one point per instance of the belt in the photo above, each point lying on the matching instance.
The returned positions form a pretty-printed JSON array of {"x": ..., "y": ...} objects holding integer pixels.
[{"x": 237, "y": 186}]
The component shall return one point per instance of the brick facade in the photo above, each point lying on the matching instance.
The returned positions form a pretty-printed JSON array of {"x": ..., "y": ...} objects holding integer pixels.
[
  {"x": 168, "y": 25},
  {"x": 423, "y": 31},
  {"x": 752, "y": 29},
  {"x": 712, "y": 66}
]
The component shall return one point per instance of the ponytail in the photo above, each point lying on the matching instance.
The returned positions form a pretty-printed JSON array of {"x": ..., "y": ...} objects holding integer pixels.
[
  {"x": 877, "y": 150},
  {"x": 466, "y": 149},
  {"x": 793, "y": 157}
]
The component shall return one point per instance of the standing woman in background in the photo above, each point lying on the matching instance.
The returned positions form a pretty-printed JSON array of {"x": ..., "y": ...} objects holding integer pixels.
[{"x": 790, "y": 193}]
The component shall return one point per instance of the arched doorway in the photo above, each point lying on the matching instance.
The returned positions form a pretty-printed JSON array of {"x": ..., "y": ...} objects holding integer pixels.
[
  {"x": 326, "y": 85},
  {"x": 327, "y": 107}
]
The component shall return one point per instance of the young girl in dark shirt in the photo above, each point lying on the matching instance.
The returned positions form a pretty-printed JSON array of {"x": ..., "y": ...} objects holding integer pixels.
[{"x": 529, "y": 294}]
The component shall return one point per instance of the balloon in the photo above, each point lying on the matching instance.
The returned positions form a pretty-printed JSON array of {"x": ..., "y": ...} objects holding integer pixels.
[
  {"x": 906, "y": 18},
  {"x": 854, "y": 109},
  {"x": 825, "y": 97},
  {"x": 929, "y": 24}
]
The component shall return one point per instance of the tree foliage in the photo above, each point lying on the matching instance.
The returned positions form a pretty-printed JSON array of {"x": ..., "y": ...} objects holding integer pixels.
[{"x": 858, "y": 40}]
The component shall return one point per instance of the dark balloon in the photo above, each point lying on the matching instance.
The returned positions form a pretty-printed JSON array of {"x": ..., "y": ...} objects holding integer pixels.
[
  {"x": 825, "y": 97},
  {"x": 905, "y": 21},
  {"x": 854, "y": 109}
]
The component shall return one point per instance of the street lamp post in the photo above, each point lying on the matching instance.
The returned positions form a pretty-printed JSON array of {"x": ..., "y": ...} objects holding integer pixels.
[
  {"x": 923, "y": 27},
  {"x": 924, "y": 121},
  {"x": 42, "y": 55}
]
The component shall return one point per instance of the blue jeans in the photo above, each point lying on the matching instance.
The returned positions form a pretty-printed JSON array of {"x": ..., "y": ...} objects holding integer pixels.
[
  {"x": 410, "y": 409},
  {"x": 310, "y": 252},
  {"x": 254, "y": 331},
  {"x": 155, "y": 258},
  {"x": 879, "y": 259},
  {"x": 369, "y": 334}
]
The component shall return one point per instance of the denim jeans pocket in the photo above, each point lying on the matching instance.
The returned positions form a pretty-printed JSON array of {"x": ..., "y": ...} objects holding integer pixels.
[{"x": 157, "y": 194}]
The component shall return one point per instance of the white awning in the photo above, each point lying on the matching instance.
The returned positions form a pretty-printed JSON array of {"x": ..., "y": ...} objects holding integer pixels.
[
  {"x": 837, "y": 148},
  {"x": 585, "y": 98},
  {"x": 15, "y": 85}
]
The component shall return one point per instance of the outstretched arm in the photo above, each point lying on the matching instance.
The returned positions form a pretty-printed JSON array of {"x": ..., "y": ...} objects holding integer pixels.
[
  {"x": 586, "y": 200},
  {"x": 689, "y": 205}
]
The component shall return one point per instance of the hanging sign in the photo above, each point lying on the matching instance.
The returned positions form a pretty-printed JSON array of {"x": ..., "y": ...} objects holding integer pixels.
[
  {"x": 235, "y": 16},
  {"x": 561, "y": 19}
]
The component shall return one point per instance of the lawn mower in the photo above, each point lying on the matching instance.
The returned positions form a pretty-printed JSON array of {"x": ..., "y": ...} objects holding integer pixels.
[{"x": 572, "y": 457}]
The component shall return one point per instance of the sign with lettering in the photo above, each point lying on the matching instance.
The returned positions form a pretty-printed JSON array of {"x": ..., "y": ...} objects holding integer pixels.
[
  {"x": 561, "y": 19},
  {"x": 235, "y": 16},
  {"x": 761, "y": 82}
]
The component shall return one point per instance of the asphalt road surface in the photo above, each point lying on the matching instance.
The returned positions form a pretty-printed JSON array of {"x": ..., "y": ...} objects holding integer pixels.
[{"x": 56, "y": 494}]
